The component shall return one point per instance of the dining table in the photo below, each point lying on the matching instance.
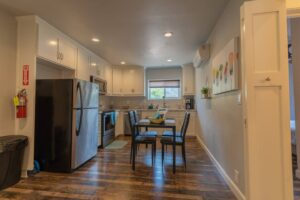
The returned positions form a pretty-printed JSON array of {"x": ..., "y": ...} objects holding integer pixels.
[{"x": 168, "y": 123}]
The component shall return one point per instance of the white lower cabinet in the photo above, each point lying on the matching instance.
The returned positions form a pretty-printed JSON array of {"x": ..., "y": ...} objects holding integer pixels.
[{"x": 119, "y": 128}]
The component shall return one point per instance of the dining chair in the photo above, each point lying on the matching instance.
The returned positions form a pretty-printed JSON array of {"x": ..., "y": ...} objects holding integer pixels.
[
  {"x": 137, "y": 139},
  {"x": 146, "y": 132},
  {"x": 179, "y": 139}
]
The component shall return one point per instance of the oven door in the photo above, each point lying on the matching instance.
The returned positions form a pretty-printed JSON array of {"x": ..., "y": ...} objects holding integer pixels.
[{"x": 108, "y": 128}]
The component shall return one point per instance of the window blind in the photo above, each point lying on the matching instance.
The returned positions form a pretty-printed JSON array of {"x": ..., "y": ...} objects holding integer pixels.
[{"x": 164, "y": 84}]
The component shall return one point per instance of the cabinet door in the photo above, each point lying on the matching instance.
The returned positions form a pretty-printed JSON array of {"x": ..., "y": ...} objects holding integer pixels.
[
  {"x": 120, "y": 124},
  {"x": 108, "y": 78},
  {"x": 188, "y": 80},
  {"x": 68, "y": 53},
  {"x": 97, "y": 66},
  {"x": 83, "y": 65},
  {"x": 191, "y": 128},
  {"x": 117, "y": 81},
  {"x": 139, "y": 82},
  {"x": 48, "y": 43},
  {"x": 128, "y": 76}
]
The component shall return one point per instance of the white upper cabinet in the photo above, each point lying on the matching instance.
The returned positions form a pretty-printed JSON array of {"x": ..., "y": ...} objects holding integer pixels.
[
  {"x": 108, "y": 78},
  {"x": 188, "y": 80},
  {"x": 48, "y": 43},
  {"x": 56, "y": 47},
  {"x": 67, "y": 52},
  {"x": 97, "y": 66},
  {"x": 117, "y": 79},
  {"x": 83, "y": 65},
  {"x": 128, "y": 81}
]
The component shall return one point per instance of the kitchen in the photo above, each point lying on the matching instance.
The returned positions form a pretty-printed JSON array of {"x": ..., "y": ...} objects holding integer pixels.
[
  {"x": 96, "y": 61},
  {"x": 121, "y": 88}
]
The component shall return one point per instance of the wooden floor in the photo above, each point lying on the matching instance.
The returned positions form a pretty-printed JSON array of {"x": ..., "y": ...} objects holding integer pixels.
[{"x": 109, "y": 176}]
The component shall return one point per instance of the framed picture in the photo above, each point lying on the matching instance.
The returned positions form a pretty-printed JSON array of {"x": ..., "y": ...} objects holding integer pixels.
[{"x": 225, "y": 68}]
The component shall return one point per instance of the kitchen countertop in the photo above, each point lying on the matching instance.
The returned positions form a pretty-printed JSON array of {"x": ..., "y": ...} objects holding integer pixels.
[{"x": 153, "y": 110}]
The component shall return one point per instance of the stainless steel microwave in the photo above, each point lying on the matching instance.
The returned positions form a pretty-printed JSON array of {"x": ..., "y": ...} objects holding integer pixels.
[{"x": 102, "y": 84}]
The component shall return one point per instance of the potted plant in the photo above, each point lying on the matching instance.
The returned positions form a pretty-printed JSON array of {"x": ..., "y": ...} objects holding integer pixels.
[{"x": 205, "y": 92}]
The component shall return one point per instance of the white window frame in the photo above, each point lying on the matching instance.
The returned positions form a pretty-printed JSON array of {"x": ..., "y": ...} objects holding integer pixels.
[{"x": 179, "y": 92}]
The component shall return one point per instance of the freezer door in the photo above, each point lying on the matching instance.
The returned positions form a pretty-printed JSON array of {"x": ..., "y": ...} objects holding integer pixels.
[
  {"x": 85, "y": 139},
  {"x": 86, "y": 95}
]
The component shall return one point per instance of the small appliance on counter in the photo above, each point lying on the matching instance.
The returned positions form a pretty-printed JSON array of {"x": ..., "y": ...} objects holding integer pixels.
[{"x": 189, "y": 103}]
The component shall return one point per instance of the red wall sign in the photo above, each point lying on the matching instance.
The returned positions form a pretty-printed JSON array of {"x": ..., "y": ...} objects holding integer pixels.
[{"x": 25, "y": 74}]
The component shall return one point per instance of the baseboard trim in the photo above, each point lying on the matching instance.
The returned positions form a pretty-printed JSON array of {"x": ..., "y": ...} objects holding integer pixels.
[{"x": 237, "y": 192}]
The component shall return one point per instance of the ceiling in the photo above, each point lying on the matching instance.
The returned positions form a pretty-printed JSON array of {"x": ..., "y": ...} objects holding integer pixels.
[{"x": 130, "y": 30}]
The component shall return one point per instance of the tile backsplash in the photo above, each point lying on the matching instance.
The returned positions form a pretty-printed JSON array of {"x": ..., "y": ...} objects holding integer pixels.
[{"x": 137, "y": 103}]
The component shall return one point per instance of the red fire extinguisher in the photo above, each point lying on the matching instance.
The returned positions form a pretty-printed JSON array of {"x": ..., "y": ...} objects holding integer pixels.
[{"x": 20, "y": 102}]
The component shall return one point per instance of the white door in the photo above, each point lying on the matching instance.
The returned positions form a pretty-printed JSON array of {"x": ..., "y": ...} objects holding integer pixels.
[{"x": 266, "y": 105}]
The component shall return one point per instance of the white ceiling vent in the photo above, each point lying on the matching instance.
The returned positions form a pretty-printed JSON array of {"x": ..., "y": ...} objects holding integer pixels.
[{"x": 202, "y": 55}]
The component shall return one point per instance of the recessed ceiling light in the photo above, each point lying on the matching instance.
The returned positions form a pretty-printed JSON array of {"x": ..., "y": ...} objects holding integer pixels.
[
  {"x": 93, "y": 64},
  {"x": 169, "y": 60},
  {"x": 123, "y": 62},
  {"x": 95, "y": 40},
  {"x": 168, "y": 34}
]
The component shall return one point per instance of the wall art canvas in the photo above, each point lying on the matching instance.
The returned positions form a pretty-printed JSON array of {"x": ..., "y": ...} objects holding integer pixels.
[{"x": 225, "y": 68}]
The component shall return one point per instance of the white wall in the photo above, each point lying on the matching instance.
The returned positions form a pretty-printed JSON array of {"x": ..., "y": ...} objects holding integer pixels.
[
  {"x": 47, "y": 70},
  {"x": 8, "y": 31},
  {"x": 221, "y": 124}
]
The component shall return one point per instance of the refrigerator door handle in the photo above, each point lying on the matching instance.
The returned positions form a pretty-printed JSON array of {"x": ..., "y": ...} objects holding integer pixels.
[{"x": 81, "y": 108}]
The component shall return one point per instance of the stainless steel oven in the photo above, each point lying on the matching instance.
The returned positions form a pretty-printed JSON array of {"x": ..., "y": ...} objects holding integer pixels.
[
  {"x": 101, "y": 83},
  {"x": 108, "y": 119}
]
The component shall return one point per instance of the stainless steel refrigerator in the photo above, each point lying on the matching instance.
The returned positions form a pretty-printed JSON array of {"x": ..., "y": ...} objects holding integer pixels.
[{"x": 66, "y": 123}]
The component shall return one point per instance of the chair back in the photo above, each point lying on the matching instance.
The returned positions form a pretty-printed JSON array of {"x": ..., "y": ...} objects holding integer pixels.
[
  {"x": 136, "y": 117},
  {"x": 132, "y": 123},
  {"x": 185, "y": 124}
]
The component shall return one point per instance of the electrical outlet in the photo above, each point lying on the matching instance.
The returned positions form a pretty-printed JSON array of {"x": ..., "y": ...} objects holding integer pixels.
[{"x": 236, "y": 176}]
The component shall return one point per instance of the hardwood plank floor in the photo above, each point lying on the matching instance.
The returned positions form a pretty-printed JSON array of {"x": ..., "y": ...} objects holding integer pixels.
[
  {"x": 109, "y": 176},
  {"x": 296, "y": 180}
]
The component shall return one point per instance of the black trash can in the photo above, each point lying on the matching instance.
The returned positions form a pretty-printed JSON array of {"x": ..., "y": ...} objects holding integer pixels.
[{"x": 11, "y": 156}]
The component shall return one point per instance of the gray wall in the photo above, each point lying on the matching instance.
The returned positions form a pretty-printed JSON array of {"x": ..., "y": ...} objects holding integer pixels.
[
  {"x": 221, "y": 124},
  {"x": 8, "y": 31}
]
